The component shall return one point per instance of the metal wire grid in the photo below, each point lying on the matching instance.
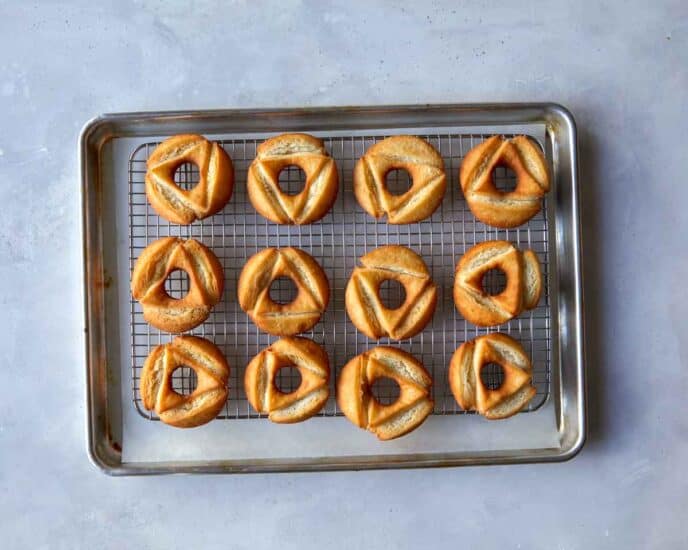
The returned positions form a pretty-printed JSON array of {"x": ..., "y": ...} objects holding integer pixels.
[{"x": 336, "y": 242}]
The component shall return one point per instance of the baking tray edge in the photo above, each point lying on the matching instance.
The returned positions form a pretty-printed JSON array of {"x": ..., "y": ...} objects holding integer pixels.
[{"x": 103, "y": 449}]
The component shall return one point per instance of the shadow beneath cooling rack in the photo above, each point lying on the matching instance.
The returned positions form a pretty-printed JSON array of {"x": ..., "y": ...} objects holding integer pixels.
[{"x": 593, "y": 253}]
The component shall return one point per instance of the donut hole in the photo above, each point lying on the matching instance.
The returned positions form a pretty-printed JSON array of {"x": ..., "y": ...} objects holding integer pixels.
[
  {"x": 184, "y": 380},
  {"x": 283, "y": 290},
  {"x": 492, "y": 375},
  {"x": 398, "y": 181},
  {"x": 385, "y": 390},
  {"x": 494, "y": 282},
  {"x": 292, "y": 180},
  {"x": 287, "y": 379},
  {"x": 187, "y": 176},
  {"x": 504, "y": 179},
  {"x": 177, "y": 284},
  {"x": 392, "y": 293}
]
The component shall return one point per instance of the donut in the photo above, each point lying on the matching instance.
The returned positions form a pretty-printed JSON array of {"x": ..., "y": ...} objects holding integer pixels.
[
  {"x": 469, "y": 390},
  {"x": 492, "y": 206},
  {"x": 212, "y": 373},
  {"x": 208, "y": 196},
  {"x": 523, "y": 283},
  {"x": 301, "y": 314},
  {"x": 423, "y": 164},
  {"x": 154, "y": 265},
  {"x": 358, "y": 404},
  {"x": 313, "y": 366},
  {"x": 319, "y": 192},
  {"x": 362, "y": 298}
]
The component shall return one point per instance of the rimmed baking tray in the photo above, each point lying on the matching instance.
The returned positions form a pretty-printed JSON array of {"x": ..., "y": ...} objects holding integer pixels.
[{"x": 123, "y": 438}]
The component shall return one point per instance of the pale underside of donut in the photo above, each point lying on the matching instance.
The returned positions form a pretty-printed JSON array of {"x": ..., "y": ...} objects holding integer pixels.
[
  {"x": 298, "y": 315},
  {"x": 209, "y": 194},
  {"x": 423, "y": 164},
  {"x": 300, "y": 404},
  {"x": 320, "y": 189},
  {"x": 386, "y": 421},
  {"x": 523, "y": 286},
  {"x": 155, "y": 264},
  {"x": 362, "y": 298},
  {"x": 504, "y": 209},
  {"x": 471, "y": 393},
  {"x": 210, "y": 394},
  {"x": 307, "y": 206}
]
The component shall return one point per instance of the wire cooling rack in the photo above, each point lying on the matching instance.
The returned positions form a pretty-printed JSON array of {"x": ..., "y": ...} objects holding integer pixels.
[{"x": 345, "y": 234}]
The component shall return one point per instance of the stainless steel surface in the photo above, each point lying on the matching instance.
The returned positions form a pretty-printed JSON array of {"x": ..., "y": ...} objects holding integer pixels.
[{"x": 238, "y": 231}]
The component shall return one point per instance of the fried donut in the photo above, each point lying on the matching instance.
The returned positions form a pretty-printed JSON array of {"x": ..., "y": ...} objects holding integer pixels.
[
  {"x": 363, "y": 304},
  {"x": 523, "y": 283},
  {"x": 299, "y": 315},
  {"x": 422, "y": 162},
  {"x": 492, "y": 206},
  {"x": 208, "y": 196},
  {"x": 317, "y": 196},
  {"x": 154, "y": 265},
  {"x": 212, "y": 373},
  {"x": 359, "y": 405},
  {"x": 313, "y": 366},
  {"x": 469, "y": 390}
]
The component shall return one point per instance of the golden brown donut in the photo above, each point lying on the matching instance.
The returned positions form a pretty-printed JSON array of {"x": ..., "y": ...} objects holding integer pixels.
[
  {"x": 208, "y": 196},
  {"x": 470, "y": 392},
  {"x": 492, "y": 206},
  {"x": 363, "y": 304},
  {"x": 154, "y": 265},
  {"x": 212, "y": 373},
  {"x": 312, "y": 363},
  {"x": 297, "y": 316},
  {"x": 358, "y": 404},
  {"x": 422, "y": 162},
  {"x": 319, "y": 193},
  {"x": 523, "y": 283}
]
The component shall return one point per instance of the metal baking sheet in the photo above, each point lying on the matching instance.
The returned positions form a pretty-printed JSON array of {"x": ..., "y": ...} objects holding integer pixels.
[{"x": 124, "y": 438}]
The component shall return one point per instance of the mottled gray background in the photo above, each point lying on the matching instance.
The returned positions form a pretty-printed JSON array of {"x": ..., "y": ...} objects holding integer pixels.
[{"x": 621, "y": 68}]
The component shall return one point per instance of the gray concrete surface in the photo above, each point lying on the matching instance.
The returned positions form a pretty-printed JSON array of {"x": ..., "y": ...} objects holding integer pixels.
[{"x": 622, "y": 68}]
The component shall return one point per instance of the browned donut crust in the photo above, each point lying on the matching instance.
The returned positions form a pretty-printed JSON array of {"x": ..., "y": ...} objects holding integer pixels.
[
  {"x": 313, "y": 366},
  {"x": 154, "y": 265},
  {"x": 516, "y": 390},
  {"x": 422, "y": 162},
  {"x": 492, "y": 206},
  {"x": 208, "y": 196},
  {"x": 363, "y": 304},
  {"x": 319, "y": 192},
  {"x": 297, "y": 316},
  {"x": 358, "y": 404},
  {"x": 212, "y": 373},
  {"x": 523, "y": 283}
]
